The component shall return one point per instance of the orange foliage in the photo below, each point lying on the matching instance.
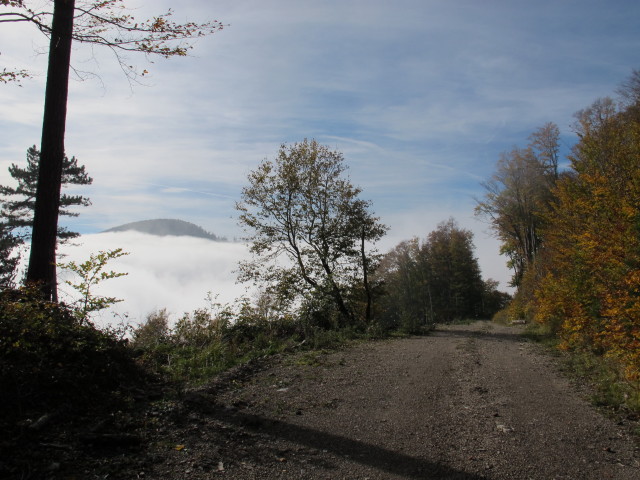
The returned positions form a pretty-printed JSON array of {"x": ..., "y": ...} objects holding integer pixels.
[{"x": 592, "y": 242}]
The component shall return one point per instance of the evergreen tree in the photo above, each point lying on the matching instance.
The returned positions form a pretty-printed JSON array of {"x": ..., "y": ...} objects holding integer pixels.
[
  {"x": 19, "y": 202},
  {"x": 8, "y": 258}
]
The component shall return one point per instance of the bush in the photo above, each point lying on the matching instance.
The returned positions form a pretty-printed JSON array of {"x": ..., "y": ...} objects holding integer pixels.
[
  {"x": 211, "y": 340},
  {"x": 49, "y": 359},
  {"x": 153, "y": 332}
]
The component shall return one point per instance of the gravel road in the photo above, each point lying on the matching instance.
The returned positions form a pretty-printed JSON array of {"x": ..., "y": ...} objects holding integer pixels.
[{"x": 467, "y": 402}]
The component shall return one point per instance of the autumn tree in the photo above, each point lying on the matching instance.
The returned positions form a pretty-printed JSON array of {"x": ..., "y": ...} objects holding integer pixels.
[
  {"x": 518, "y": 195},
  {"x": 104, "y": 23},
  {"x": 590, "y": 292},
  {"x": 11, "y": 75},
  {"x": 308, "y": 229}
]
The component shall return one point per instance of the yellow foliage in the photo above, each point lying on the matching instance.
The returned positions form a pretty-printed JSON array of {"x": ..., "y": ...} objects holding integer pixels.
[{"x": 591, "y": 287}]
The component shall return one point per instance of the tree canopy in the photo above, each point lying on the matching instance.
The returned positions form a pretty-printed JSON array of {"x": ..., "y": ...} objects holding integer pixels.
[
  {"x": 308, "y": 228},
  {"x": 583, "y": 281},
  {"x": 591, "y": 274},
  {"x": 435, "y": 280},
  {"x": 518, "y": 195}
]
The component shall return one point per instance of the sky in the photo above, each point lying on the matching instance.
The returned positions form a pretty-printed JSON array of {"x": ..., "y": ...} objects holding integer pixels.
[{"x": 421, "y": 97}]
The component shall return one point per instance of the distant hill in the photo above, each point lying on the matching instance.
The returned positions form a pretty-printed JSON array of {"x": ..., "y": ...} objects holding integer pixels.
[{"x": 167, "y": 227}]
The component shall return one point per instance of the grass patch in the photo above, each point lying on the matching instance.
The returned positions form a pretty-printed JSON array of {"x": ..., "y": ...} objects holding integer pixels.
[
  {"x": 541, "y": 334},
  {"x": 603, "y": 376},
  {"x": 201, "y": 345},
  {"x": 609, "y": 388},
  {"x": 310, "y": 359}
]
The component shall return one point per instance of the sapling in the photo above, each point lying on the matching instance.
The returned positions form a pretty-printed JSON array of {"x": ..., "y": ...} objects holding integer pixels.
[{"x": 91, "y": 273}]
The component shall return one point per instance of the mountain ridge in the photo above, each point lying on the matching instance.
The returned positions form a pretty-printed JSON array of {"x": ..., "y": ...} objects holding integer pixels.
[{"x": 164, "y": 227}]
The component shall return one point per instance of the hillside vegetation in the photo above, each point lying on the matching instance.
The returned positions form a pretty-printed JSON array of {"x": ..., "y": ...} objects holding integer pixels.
[{"x": 573, "y": 236}]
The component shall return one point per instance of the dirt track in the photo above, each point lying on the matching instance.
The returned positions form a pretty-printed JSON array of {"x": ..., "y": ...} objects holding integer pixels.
[{"x": 468, "y": 402}]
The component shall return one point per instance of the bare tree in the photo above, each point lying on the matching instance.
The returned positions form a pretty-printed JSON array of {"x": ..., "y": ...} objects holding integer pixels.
[
  {"x": 545, "y": 141},
  {"x": 516, "y": 197}
]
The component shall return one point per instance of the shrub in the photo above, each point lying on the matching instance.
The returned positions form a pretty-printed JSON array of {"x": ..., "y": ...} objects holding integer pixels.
[
  {"x": 49, "y": 358},
  {"x": 153, "y": 332}
]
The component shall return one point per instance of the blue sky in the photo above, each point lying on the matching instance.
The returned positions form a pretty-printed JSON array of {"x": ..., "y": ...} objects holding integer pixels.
[{"x": 420, "y": 96}]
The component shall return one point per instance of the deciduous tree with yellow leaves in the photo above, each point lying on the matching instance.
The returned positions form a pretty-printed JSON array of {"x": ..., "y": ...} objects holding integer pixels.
[{"x": 591, "y": 288}]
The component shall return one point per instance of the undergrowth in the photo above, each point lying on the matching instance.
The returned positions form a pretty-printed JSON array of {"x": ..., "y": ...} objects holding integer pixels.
[
  {"x": 51, "y": 358},
  {"x": 604, "y": 376},
  {"x": 60, "y": 377},
  {"x": 51, "y": 361},
  {"x": 206, "y": 343}
]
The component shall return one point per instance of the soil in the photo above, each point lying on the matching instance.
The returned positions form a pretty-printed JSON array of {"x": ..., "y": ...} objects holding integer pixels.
[{"x": 466, "y": 402}]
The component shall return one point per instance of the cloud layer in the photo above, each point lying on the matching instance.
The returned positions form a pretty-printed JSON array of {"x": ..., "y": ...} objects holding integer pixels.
[{"x": 175, "y": 273}]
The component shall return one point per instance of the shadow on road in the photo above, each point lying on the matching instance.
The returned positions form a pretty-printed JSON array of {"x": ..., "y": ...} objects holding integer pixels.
[
  {"x": 372, "y": 455},
  {"x": 512, "y": 336}
]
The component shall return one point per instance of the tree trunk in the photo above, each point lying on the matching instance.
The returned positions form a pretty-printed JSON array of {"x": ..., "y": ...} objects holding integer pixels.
[
  {"x": 345, "y": 313},
  {"x": 42, "y": 259},
  {"x": 365, "y": 278}
]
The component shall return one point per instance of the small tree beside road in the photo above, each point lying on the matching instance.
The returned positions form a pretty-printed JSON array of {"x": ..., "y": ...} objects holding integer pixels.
[{"x": 309, "y": 230}]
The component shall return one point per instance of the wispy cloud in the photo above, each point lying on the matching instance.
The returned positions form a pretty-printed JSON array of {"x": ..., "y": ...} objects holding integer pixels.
[{"x": 420, "y": 95}]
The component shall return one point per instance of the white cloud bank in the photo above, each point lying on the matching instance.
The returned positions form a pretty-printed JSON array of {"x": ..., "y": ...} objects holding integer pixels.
[{"x": 175, "y": 273}]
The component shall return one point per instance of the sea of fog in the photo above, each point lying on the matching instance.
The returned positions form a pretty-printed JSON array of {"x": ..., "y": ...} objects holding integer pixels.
[{"x": 176, "y": 273}]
